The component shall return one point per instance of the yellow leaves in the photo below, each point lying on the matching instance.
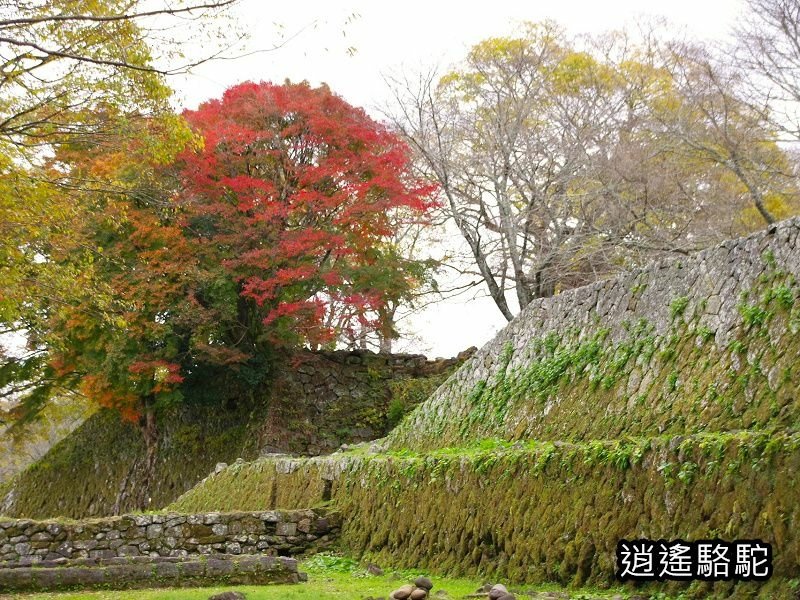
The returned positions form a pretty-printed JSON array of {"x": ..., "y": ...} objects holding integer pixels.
[
  {"x": 649, "y": 85},
  {"x": 465, "y": 86},
  {"x": 498, "y": 49},
  {"x": 780, "y": 205},
  {"x": 169, "y": 136},
  {"x": 579, "y": 70}
]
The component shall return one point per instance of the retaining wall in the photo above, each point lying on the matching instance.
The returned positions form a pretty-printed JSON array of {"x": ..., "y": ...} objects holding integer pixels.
[
  {"x": 132, "y": 573},
  {"x": 314, "y": 403},
  {"x": 704, "y": 343},
  {"x": 544, "y": 511},
  {"x": 274, "y": 532},
  {"x": 662, "y": 403}
]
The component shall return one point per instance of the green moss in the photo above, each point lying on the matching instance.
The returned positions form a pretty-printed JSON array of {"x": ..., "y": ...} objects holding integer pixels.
[
  {"x": 581, "y": 385},
  {"x": 678, "y": 306},
  {"x": 753, "y": 315},
  {"x": 538, "y": 511},
  {"x": 782, "y": 295},
  {"x": 408, "y": 392},
  {"x": 107, "y": 455}
]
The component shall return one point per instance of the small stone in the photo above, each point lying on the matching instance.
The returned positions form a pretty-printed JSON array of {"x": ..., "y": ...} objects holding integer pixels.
[
  {"x": 221, "y": 466},
  {"x": 424, "y": 583},
  {"x": 402, "y": 593},
  {"x": 228, "y": 596},
  {"x": 419, "y": 594},
  {"x": 497, "y": 591}
]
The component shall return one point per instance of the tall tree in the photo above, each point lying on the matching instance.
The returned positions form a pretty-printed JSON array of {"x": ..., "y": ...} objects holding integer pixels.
[
  {"x": 562, "y": 161},
  {"x": 76, "y": 74},
  {"x": 295, "y": 192}
]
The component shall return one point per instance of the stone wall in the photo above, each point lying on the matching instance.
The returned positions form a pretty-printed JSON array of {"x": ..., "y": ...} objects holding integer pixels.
[
  {"x": 544, "y": 511},
  {"x": 322, "y": 400},
  {"x": 704, "y": 343},
  {"x": 314, "y": 403},
  {"x": 148, "y": 572},
  {"x": 662, "y": 403},
  {"x": 282, "y": 533}
]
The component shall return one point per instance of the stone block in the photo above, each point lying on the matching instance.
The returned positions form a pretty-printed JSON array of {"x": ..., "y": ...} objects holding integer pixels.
[{"x": 286, "y": 529}]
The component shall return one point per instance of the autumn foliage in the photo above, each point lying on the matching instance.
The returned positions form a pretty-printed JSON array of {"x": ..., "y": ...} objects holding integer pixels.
[
  {"x": 292, "y": 193},
  {"x": 271, "y": 230}
]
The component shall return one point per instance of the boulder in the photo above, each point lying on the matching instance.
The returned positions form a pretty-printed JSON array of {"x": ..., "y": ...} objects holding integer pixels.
[
  {"x": 424, "y": 583},
  {"x": 402, "y": 593},
  {"x": 228, "y": 596},
  {"x": 497, "y": 591}
]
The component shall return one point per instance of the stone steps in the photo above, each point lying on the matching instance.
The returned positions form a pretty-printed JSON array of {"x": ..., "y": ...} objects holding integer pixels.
[{"x": 147, "y": 572}]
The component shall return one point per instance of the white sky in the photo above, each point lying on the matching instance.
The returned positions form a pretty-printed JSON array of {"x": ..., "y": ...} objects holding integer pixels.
[{"x": 390, "y": 36}]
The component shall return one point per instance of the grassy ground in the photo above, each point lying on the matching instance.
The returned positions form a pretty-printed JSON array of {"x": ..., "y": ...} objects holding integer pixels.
[
  {"x": 329, "y": 578},
  {"x": 338, "y": 587}
]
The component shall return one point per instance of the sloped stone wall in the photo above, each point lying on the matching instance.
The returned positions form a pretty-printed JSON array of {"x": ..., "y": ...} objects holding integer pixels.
[
  {"x": 316, "y": 402},
  {"x": 662, "y": 403},
  {"x": 704, "y": 343}
]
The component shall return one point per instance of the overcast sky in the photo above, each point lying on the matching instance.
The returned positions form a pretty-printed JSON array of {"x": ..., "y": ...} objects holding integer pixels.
[{"x": 350, "y": 44}]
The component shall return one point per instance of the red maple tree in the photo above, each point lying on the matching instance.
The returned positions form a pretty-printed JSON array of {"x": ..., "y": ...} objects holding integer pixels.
[{"x": 292, "y": 192}]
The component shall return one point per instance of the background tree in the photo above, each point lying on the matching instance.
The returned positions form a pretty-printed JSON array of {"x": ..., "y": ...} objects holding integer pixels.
[
  {"x": 717, "y": 123},
  {"x": 767, "y": 51},
  {"x": 562, "y": 161}
]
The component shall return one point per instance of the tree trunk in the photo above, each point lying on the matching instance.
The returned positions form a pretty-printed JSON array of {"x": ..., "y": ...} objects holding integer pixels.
[
  {"x": 150, "y": 432},
  {"x": 134, "y": 491},
  {"x": 387, "y": 332},
  {"x": 755, "y": 193}
]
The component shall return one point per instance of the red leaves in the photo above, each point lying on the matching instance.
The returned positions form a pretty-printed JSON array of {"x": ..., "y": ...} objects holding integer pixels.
[
  {"x": 277, "y": 230},
  {"x": 300, "y": 186}
]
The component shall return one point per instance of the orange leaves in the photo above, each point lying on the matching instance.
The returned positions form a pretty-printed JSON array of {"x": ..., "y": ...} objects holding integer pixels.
[{"x": 97, "y": 388}]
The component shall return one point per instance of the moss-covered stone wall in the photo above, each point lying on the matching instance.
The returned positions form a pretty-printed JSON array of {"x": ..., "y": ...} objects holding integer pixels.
[
  {"x": 315, "y": 403},
  {"x": 148, "y": 573},
  {"x": 707, "y": 343},
  {"x": 663, "y": 403},
  {"x": 540, "y": 511},
  {"x": 275, "y": 532}
]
